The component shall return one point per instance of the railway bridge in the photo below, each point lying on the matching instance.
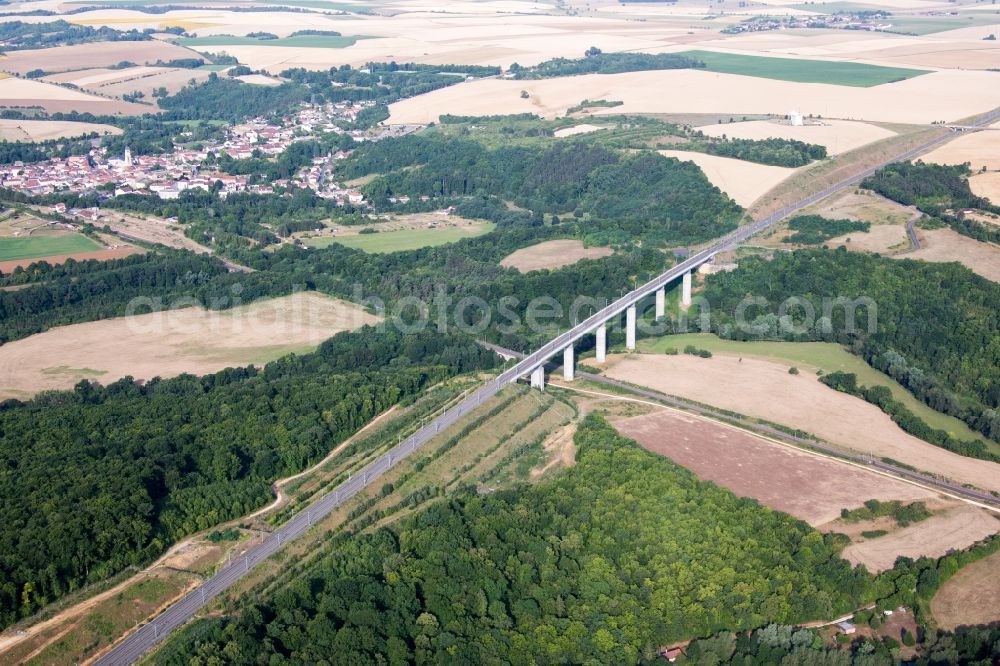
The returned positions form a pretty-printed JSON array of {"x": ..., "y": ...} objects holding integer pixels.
[{"x": 143, "y": 639}]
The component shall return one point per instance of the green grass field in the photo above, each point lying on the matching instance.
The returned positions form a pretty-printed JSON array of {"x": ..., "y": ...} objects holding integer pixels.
[
  {"x": 302, "y": 41},
  {"x": 803, "y": 71},
  {"x": 37, "y": 247},
  {"x": 407, "y": 239},
  {"x": 812, "y": 356}
]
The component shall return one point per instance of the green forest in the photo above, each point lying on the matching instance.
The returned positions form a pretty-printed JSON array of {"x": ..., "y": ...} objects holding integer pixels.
[
  {"x": 941, "y": 341},
  {"x": 552, "y": 573},
  {"x": 621, "y": 198},
  {"x": 101, "y": 478}
]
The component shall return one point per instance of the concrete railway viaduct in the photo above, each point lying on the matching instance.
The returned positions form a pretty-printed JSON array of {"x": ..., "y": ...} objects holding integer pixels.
[{"x": 143, "y": 639}]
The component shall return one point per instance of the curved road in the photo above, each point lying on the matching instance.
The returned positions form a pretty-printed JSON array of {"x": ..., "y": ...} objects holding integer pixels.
[{"x": 147, "y": 636}]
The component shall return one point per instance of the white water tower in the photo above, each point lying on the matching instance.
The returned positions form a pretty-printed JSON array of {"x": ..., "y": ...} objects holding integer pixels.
[{"x": 795, "y": 119}]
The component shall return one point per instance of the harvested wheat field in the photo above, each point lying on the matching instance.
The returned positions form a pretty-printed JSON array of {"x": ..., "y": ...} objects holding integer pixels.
[
  {"x": 953, "y": 529},
  {"x": 944, "y": 95},
  {"x": 93, "y": 54},
  {"x": 552, "y": 254},
  {"x": 162, "y": 77},
  {"x": 169, "y": 343},
  {"x": 784, "y": 478},
  {"x": 979, "y": 149},
  {"x": 797, "y": 401},
  {"x": 744, "y": 181},
  {"x": 118, "y": 82},
  {"x": 23, "y": 93},
  {"x": 987, "y": 185},
  {"x": 943, "y": 245},
  {"x": 95, "y": 77},
  {"x": 970, "y": 597},
  {"x": 838, "y": 136},
  {"x": 44, "y": 130},
  {"x": 880, "y": 238}
]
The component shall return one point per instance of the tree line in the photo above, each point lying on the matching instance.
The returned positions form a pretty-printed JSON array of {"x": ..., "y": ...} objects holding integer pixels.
[
  {"x": 596, "y": 62},
  {"x": 775, "y": 152},
  {"x": 104, "y": 477},
  {"x": 20, "y": 35}
]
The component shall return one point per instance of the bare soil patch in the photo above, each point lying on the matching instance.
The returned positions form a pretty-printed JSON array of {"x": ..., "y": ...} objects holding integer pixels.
[
  {"x": 552, "y": 254},
  {"x": 168, "y": 343},
  {"x": 943, "y": 245},
  {"x": 954, "y": 529},
  {"x": 784, "y": 478},
  {"x": 970, "y": 597},
  {"x": 764, "y": 389},
  {"x": 559, "y": 449}
]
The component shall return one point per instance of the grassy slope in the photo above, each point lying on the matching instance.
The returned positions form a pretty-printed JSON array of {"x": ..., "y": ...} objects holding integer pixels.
[
  {"x": 45, "y": 246},
  {"x": 825, "y": 356},
  {"x": 405, "y": 239},
  {"x": 803, "y": 71}
]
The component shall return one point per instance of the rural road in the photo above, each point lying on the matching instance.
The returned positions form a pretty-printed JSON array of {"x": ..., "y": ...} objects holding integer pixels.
[{"x": 147, "y": 636}]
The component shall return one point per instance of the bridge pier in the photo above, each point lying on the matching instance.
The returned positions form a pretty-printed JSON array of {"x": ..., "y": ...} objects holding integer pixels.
[
  {"x": 601, "y": 343},
  {"x": 569, "y": 372},
  {"x": 538, "y": 378},
  {"x": 686, "y": 290},
  {"x": 661, "y": 302},
  {"x": 630, "y": 328}
]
